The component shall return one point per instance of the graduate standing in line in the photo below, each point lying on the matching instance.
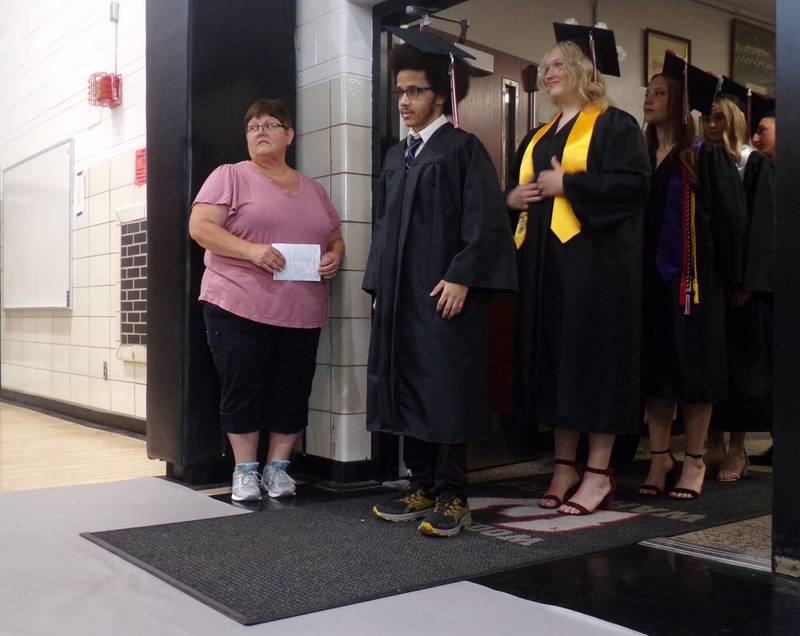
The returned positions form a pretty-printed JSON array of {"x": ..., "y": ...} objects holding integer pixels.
[
  {"x": 441, "y": 246},
  {"x": 583, "y": 180},
  {"x": 749, "y": 311},
  {"x": 693, "y": 256}
]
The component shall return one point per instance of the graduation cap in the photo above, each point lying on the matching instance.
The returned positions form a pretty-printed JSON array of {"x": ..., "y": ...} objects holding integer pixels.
[
  {"x": 427, "y": 42},
  {"x": 761, "y": 106},
  {"x": 699, "y": 86},
  {"x": 756, "y": 105},
  {"x": 735, "y": 92},
  {"x": 597, "y": 44}
]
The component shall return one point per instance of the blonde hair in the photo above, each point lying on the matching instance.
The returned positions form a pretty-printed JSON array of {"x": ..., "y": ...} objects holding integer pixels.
[
  {"x": 580, "y": 71},
  {"x": 735, "y": 132}
]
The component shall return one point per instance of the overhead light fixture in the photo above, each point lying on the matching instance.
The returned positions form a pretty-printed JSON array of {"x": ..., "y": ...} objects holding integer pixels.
[{"x": 426, "y": 15}]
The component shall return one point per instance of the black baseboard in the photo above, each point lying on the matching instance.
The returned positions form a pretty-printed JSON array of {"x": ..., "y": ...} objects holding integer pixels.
[
  {"x": 321, "y": 471},
  {"x": 75, "y": 413},
  {"x": 336, "y": 475},
  {"x": 199, "y": 477}
]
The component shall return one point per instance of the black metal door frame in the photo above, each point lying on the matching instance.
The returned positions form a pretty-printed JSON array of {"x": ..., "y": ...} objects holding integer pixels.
[{"x": 786, "y": 425}]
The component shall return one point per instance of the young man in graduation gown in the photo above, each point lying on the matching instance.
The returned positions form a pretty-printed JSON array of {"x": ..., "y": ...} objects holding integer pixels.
[{"x": 441, "y": 246}]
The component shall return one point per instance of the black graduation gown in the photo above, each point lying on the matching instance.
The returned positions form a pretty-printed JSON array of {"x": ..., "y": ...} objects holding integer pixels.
[
  {"x": 444, "y": 218},
  {"x": 750, "y": 326},
  {"x": 580, "y": 302},
  {"x": 686, "y": 356}
]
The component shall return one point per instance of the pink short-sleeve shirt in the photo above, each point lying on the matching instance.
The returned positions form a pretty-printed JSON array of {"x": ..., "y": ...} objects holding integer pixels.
[{"x": 261, "y": 212}]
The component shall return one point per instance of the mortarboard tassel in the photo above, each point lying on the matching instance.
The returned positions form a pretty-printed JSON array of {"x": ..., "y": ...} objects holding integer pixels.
[
  {"x": 749, "y": 114},
  {"x": 453, "y": 100},
  {"x": 685, "y": 92},
  {"x": 594, "y": 57}
]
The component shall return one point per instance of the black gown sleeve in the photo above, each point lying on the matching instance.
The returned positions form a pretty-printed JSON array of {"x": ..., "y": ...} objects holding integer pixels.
[
  {"x": 487, "y": 259},
  {"x": 759, "y": 186},
  {"x": 617, "y": 180},
  {"x": 372, "y": 271},
  {"x": 720, "y": 181}
]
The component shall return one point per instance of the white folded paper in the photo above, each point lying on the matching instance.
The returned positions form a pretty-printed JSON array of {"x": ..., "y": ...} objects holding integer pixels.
[{"x": 302, "y": 261}]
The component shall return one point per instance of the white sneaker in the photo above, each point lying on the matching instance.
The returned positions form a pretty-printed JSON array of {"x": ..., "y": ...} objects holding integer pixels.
[
  {"x": 277, "y": 482},
  {"x": 246, "y": 486}
]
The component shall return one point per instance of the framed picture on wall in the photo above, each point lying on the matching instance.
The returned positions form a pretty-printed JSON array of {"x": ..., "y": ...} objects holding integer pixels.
[
  {"x": 655, "y": 44},
  {"x": 753, "y": 57}
]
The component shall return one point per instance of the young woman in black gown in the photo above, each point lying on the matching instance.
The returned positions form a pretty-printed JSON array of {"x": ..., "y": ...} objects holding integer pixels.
[
  {"x": 693, "y": 229},
  {"x": 580, "y": 295},
  {"x": 749, "y": 309}
]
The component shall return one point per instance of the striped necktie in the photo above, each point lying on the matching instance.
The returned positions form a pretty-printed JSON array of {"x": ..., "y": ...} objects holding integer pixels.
[{"x": 414, "y": 142}]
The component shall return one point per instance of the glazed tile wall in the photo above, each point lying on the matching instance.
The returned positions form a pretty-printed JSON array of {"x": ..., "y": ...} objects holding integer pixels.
[
  {"x": 334, "y": 146},
  {"x": 75, "y": 355}
]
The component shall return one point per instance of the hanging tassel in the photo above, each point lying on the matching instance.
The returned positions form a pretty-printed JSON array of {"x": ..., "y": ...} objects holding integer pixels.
[
  {"x": 685, "y": 92},
  {"x": 594, "y": 57},
  {"x": 453, "y": 99},
  {"x": 749, "y": 115}
]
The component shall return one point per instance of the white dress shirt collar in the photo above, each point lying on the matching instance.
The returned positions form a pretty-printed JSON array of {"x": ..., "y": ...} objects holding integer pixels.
[{"x": 427, "y": 132}]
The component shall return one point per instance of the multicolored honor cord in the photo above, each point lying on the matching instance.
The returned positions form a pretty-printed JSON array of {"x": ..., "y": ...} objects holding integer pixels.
[{"x": 690, "y": 286}]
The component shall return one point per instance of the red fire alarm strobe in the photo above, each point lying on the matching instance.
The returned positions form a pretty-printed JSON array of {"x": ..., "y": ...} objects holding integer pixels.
[
  {"x": 105, "y": 89},
  {"x": 141, "y": 167}
]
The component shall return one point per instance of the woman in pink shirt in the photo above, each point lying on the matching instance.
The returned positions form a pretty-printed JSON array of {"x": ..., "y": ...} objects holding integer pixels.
[{"x": 263, "y": 332}]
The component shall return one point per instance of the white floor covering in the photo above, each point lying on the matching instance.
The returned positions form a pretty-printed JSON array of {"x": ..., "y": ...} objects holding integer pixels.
[{"x": 52, "y": 581}]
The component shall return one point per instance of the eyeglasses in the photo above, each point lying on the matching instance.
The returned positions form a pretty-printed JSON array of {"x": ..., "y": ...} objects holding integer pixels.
[
  {"x": 412, "y": 92},
  {"x": 254, "y": 128}
]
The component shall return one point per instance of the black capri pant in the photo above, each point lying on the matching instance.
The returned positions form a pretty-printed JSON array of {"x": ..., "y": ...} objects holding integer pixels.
[{"x": 265, "y": 372}]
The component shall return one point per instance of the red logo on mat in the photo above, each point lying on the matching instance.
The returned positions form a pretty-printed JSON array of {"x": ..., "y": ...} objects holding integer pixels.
[{"x": 525, "y": 515}]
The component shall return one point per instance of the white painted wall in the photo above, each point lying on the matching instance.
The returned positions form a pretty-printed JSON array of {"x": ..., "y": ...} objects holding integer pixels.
[{"x": 48, "y": 49}]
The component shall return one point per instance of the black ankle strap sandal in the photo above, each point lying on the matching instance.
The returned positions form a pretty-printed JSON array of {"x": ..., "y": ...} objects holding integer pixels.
[
  {"x": 651, "y": 490},
  {"x": 692, "y": 494}
]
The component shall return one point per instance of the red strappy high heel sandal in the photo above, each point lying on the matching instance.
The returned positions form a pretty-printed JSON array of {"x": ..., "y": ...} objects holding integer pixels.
[
  {"x": 557, "y": 502},
  {"x": 607, "y": 501}
]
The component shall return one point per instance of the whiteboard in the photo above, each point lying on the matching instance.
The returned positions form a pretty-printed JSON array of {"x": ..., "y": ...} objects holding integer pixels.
[{"x": 37, "y": 199}]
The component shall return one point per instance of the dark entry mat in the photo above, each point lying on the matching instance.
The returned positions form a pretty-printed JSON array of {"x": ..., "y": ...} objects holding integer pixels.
[{"x": 269, "y": 565}]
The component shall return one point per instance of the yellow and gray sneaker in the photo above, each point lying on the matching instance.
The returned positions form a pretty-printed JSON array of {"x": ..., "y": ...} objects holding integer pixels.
[
  {"x": 448, "y": 517},
  {"x": 415, "y": 504}
]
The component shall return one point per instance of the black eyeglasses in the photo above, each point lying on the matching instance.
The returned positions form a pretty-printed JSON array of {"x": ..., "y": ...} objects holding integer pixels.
[
  {"x": 413, "y": 92},
  {"x": 254, "y": 128}
]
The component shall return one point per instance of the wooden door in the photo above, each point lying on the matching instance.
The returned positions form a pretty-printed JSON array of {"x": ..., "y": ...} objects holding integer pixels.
[{"x": 495, "y": 110}]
